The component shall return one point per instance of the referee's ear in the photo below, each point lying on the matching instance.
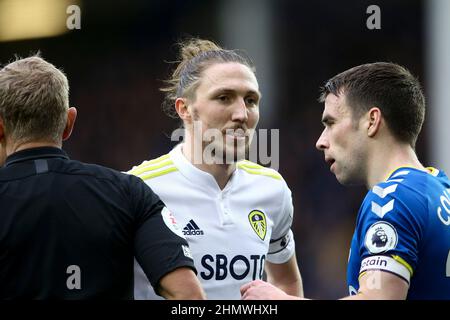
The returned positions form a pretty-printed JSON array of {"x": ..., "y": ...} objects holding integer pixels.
[{"x": 71, "y": 117}]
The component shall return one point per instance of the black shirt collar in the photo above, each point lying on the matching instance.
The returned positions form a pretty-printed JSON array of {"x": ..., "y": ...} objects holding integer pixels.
[{"x": 36, "y": 153}]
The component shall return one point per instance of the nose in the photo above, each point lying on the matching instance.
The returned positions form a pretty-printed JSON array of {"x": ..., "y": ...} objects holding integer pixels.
[
  {"x": 322, "y": 143},
  {"x": 240, "y": 111}
]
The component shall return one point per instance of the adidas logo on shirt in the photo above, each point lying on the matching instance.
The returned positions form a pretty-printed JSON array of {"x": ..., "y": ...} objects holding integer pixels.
[{"x": 192, "y": 229}]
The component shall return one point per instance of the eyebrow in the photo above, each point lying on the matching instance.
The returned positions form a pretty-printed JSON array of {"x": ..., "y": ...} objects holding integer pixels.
[{"x": 227, "y": 90}]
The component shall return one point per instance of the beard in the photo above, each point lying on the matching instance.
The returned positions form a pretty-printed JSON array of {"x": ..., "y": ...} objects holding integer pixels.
[
  {"x": 220, "y": 148},
  {"x": 226, "y": 150},
  {"x": 236, "y": 149},
  {"x": 351, "y": 172}
]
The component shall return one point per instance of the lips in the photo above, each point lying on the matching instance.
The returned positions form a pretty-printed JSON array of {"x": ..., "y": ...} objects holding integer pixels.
[
  {"x": 237, "y": 133},
  {"x": 330, "y": 162}
]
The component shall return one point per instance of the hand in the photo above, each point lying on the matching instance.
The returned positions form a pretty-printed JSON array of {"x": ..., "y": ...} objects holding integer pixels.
[{"x": 260, "y": 290}]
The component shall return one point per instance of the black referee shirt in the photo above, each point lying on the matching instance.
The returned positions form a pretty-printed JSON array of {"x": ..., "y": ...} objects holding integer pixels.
[{"x": 70, "y": 230}]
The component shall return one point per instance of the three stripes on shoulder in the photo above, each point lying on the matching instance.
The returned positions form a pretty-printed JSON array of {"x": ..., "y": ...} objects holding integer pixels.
[
  {"x": 253, "y": 168},
  {"x": 154, "y": 168},
  {"x": 164, "y": 165}
]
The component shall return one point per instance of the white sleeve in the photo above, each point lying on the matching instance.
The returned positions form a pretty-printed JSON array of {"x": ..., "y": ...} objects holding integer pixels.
[{"x": 282, "y": 244}]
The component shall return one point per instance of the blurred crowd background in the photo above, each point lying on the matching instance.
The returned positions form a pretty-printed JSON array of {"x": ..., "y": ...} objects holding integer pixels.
[{"x": 117, "y": 60}]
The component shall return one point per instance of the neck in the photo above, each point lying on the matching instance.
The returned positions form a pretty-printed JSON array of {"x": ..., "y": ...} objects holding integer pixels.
[
  {"x": 15, "y": 147},
  {"x": 383, "y": 161},
  {"x": 220, "y": 172}
]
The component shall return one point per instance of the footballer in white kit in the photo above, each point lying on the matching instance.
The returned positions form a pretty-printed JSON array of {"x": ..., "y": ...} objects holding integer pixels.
[{"x": 231, "y": 232}]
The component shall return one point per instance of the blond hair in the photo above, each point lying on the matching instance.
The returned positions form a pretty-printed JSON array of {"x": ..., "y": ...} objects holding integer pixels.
[
  {"x": 34, "y": 99},
  {"x": 196, "y": 55}
]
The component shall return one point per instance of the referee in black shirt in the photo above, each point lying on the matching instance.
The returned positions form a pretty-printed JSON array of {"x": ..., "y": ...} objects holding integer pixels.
[{"x": 70, "y": 230}]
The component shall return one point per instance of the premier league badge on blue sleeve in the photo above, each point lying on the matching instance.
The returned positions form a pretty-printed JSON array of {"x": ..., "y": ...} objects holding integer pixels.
[{"x": 381, "y": 237}]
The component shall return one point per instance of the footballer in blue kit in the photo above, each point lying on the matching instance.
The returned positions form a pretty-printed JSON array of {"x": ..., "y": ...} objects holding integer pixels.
[
  {"x": 403, "y": 227},
  {"x": 401, "y": 244}
]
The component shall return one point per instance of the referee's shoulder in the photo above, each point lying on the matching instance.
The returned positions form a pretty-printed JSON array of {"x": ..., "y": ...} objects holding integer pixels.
[
  {"x": 95, "y": 171},
  {"x": 258, "y": 171}
]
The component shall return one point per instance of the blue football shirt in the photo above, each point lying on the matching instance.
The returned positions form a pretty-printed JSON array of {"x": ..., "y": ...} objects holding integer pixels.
[{"x": 403, "y": 227}]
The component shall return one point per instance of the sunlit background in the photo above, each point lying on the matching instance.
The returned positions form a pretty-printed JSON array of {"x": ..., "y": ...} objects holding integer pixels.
[{"x": 117, "y": 60}]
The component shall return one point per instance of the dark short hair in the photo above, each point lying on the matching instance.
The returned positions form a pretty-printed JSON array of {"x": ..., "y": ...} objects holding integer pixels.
[{"x": 388, "y": 86}]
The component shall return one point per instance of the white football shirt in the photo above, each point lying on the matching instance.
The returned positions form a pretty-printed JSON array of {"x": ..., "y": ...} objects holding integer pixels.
[{"x": 231, "y": 232}]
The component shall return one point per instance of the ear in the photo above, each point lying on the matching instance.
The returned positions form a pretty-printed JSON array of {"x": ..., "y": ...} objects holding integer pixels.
[
  {"x": 374, "y": 121},
  {"x": 183, "y": 111},
  {"x": 71, "y": 117}
]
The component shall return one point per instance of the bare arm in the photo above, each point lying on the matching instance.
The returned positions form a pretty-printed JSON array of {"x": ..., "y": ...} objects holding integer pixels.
[
  {"x": 181, "y": 284},
  {"x": 380, "y": 285},
  {"x": 285, "y": 276},
  {"x": 261, "y": 290},
  {"x": 373, "y": 285}
]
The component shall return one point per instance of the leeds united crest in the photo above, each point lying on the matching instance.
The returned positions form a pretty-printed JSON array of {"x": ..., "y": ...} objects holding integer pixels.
[{"x": 257, "y": 220}]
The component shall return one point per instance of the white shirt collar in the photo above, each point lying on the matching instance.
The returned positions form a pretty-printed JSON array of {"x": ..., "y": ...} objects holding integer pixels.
[{"x": 199, "y": 177}]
